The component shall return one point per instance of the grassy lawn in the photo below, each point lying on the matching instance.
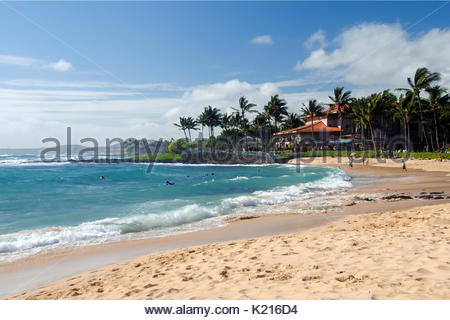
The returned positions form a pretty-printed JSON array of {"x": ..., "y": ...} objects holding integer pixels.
[
  {"x": 284, "y": 156},
  {"x": 160, "y": 157}
]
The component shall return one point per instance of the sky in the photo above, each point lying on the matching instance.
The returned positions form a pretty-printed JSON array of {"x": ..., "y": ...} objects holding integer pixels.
[{"x": 113, "y": 69}]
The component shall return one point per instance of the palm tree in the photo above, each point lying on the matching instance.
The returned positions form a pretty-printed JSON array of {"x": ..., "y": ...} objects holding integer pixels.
[
  {"x": 276, "y": 109},
  {"x": 211, "y": 117},
  {"x": 383, "y": 112},
  {"x": 182, "y": 125},
  {"x": 244, "y": 106},
  {"x": 313, "y": 109},
  {"x": 358, "y": 115},
  {"x": 423, "y": 79},
  {"x": 293, "y": 120},
  {"x": 226, "y": 121},
  {"x": 190, "y": 124},
  {"x": 364, "y": 111},
  {"x": 235, "y": 119},
  {"x": 262, "y": 119},
  {"x": 404, "y": 112},
  {"x": 341, "y": 99},
  {"x": 202, "y": 120},
  {"x": 438, "y": 98}
]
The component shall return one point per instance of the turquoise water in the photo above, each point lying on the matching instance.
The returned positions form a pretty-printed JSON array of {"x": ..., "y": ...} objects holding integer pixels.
[{"x": 62, "y": 204}]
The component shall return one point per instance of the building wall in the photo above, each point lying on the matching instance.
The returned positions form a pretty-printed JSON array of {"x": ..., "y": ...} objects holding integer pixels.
[{"x": 333, "y": 120}]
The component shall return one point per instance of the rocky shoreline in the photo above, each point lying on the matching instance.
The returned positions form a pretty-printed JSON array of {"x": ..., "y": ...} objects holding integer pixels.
[{"x": 434, "y": 195}]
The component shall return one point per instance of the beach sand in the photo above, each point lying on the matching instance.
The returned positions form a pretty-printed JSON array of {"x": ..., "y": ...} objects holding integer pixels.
[
  {"x": 381, "y": 249},
  {"x": 388, "y": 255},
  {"x": 375, "y": 165}
]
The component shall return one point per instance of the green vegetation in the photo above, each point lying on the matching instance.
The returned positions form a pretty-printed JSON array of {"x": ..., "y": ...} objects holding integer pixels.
[
  {"x": 180, "y": 145},
  {"x": 288, "y": 155},
  {"x": 160, "y": 157},
  {"x": 424, "y": 155}
]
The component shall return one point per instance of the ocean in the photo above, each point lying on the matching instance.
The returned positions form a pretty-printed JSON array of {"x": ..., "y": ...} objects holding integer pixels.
[{"x": 55, "y": 205}]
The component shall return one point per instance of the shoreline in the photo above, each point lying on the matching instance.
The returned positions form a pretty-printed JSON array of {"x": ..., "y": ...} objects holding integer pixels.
[{"x": 51, "y": 266}]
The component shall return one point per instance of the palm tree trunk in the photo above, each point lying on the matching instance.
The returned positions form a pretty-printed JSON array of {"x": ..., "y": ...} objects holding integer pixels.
[
  {"x": 406, "y": 135},
  {"x": 363, "y": 136},
  {"x": 432, "y": 141},
  {"x": 436, "y": 130},
  {"x": 373, "y": 139},
  {"x": 421, "y": 119},
  {"x": 190, "y": 137},
  {"x": 409, "y": 136},
  {"x": 245, "y": 130},
  {"x": 184, "y": 131}
]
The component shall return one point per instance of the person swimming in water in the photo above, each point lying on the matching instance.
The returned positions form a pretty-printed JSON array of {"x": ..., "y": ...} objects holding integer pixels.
[
  {"x": 168, "y": 183},
  {"x": 102, "y": 177}
]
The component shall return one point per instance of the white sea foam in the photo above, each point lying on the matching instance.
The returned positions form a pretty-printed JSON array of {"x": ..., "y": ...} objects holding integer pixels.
[
  {"x": 45, "y": 237},
  {"x": 21, "y": 162},
  {"x": 238, "y": 178},
  {"x": 187, "y": 214}
]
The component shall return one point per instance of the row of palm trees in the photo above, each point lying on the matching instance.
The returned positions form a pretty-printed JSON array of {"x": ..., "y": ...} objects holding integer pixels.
[
  {"x": 430, "y": 113},
  {"x": 424, "y": 103},
  {"x": 275, "y": 112}
]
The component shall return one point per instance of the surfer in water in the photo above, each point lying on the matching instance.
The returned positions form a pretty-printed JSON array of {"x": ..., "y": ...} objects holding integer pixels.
[{"x": 168, "y": 183}]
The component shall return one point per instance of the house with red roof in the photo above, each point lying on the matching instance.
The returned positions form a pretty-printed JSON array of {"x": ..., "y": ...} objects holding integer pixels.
[{"x": 327, "y": 128}]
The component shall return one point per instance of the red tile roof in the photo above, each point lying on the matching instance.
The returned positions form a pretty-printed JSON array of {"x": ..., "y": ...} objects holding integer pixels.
[{"x": 319, "y": 126}]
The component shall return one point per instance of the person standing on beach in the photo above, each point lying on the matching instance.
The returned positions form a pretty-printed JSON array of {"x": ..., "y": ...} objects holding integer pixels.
[{"x": 404, "y": 165}]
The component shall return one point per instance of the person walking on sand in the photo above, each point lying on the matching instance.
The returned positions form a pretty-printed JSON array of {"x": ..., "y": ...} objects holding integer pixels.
[
  {"x": 350, "y": 162},
  {"x": 404, "y": 165}
]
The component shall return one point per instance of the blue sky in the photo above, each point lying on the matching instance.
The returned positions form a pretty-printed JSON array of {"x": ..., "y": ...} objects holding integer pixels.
[{"x": 118, "y": 69}]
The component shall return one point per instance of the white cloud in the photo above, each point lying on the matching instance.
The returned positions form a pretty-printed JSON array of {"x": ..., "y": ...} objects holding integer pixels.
[
  {"x": 172, "y": 113},
  {"x": 218, "y": 91},
  {"x": 39, "y": 83},
  {"x": 382, "y": 55},
  {"x": 269, "y": 89},
  {"x": 263, "y": 39},
  {"x": 61, "y": 66},
  {"x": 65, "y": 95},
  {"x": 18, "y": 61},
  {"x": 316, "y": 39}
]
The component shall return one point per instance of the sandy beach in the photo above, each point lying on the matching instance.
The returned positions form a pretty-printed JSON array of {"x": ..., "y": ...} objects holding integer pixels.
[
  {"x": 388, "y": 255},
  {"x": 395, "y": 247},
  {"x": 380, "y": 166}
]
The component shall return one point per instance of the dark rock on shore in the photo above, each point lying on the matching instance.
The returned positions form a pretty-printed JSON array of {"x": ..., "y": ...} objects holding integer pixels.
[{"x": 396, "y": 197}]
